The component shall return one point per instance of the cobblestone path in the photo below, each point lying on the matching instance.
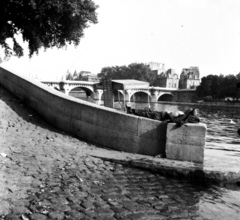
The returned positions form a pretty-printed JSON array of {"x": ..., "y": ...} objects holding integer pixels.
[{"x": 46, "y": 174}]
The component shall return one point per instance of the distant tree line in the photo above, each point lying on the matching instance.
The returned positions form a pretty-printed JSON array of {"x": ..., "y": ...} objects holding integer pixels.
[
  {"x": 137, "y": 71},
  {"x": 218, "y": 86}
]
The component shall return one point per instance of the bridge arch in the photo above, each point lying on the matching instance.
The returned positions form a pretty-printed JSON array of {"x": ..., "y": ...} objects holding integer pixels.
[
  {"x": 140, "y": 96},
  {"x": 81, "y": 91},
  {"x": 166, "y": 97},
  {"x": 83, "y": 87}
]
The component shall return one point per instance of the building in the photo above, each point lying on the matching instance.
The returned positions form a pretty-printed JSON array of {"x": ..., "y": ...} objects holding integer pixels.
[
  {"x": 158, "y": 68},
  {"x": 91, "y": 78},
  {"x": 88, "y": 76},
  {"x": 189, "y": 78},
  {"x": 85, "y": 74},
  {"x": 168, "y": 79}
]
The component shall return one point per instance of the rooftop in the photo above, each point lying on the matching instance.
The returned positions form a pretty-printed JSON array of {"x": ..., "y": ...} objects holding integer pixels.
[{"x": 131, "y": 83}]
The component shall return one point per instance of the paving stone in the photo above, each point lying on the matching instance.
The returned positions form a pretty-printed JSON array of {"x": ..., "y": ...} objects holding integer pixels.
[
  {"x": 101, "y": 204},
  {"x": 37, "y": 216},
  {"x": 4, "y": 207},
  {"x": 12, "y": 217},
  {"x": 20, "y": 209},
  {"x": 134, "y": 196},
  {"x": 74, "y": 214},
  {"x": 121, "y": 217},
  {"x": 56, "y": 215},
  {"x": 138, "y": 216},
  {"x": 151, "y": 216},
  {"x": 104, "y": 211},
  {"x": 119, "y": 210},
  {"x": 87, "y": 205}
]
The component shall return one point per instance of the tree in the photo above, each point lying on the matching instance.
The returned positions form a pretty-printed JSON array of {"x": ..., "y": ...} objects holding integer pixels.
[
  {"x": 204, "y": 89},
  {"x": 218, "y": 86},
  {"x": 230, "y": 86},
  {"x": 238, "y": 76},
  {"x": 44, "y": 23},
  {"x": 138, "y": 71}
]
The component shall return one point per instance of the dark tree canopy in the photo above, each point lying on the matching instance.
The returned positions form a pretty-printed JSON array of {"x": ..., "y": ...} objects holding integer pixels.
[
  {"x": 44, "y": 23},
  {"x": 218, "y": 87},
  {"x": 138, "y": 71}
]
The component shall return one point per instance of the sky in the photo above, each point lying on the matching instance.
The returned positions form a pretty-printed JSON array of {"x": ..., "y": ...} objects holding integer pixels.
[{"x": 178, "y": 33}]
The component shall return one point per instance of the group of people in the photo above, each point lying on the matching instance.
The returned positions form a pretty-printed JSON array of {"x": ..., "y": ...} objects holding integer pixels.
[{"x": 178, "y": 117}]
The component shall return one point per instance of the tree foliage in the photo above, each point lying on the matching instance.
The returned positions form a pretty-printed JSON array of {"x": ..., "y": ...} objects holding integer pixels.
[
  {"x": 218, "y": 87},
  {"x": 138, "y": 71},
  {"x": 44, "y": 23}
]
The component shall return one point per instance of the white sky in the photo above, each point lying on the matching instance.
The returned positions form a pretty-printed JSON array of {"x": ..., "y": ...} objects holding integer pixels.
[{"x": 179, "y": 33}]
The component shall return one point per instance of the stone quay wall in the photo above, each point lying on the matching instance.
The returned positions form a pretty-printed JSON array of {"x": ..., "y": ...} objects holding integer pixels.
[
  {"x": 101, "y": 125},
  {"x": 98, "y": 124}
]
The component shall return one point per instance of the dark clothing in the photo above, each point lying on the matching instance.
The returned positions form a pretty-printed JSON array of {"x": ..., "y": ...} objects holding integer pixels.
[{"x": 189, "y": 116}]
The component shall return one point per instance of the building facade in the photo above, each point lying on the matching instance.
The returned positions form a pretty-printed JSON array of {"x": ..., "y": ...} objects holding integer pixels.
[
  {"x": 168, "y": 79},
  {"x": 189, "y": 78},
  {"x": 91, "y": 78},
  {"x": 157, "y": 68}
]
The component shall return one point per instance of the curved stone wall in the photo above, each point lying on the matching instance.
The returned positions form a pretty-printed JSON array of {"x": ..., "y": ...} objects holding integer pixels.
[{"x": 100, "y": 125}]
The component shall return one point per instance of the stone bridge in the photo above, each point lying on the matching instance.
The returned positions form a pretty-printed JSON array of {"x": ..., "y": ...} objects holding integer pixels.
[
  {"x": 75, "y": 86},
  {"x": 138, "y": 92}
]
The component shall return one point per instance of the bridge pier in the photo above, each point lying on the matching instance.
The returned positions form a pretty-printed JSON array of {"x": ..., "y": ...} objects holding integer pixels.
[
  {"x": 154, "y": 95},
  {"x": 154, "y": 98},
  {"x": 98, "y": 94},
  {"x": 64, "y": 87},
  {"x": 127, "y": 95}
]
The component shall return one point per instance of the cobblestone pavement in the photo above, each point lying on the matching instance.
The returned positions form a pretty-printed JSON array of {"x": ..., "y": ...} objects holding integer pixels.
[{"x": 46, "y": 174}]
